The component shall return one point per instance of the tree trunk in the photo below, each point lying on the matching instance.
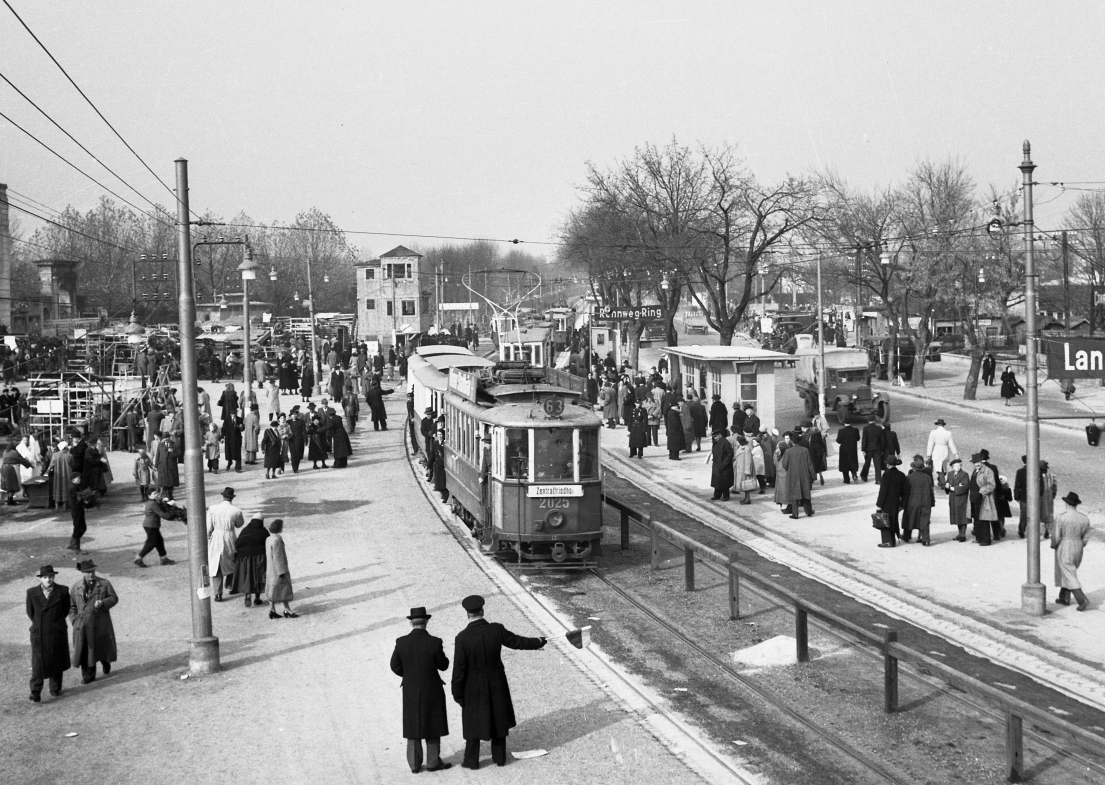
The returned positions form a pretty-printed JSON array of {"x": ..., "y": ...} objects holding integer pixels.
[
  {"x": 918, "y": 378},
  {"x": 726, "y": 336},
  {"x": 672, "y": 336},
  {"x": 633, "y": 342},
  {"x": 970, "y": 387}
]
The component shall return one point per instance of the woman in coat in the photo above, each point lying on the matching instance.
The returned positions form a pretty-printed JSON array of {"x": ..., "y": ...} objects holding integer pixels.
[
  {"x": 608, "y": 399},
  {"x": 232, "y": 441},
  {"x": 687, "y": 419},
  {"x": 744, "y": 470},
  {"x": 674, "y": 429},
  {"x": 315, "y": 450},
  {"x": 250, "y": 563},
  {"x": 1009, "y": 387},
  {"x": 758, "y": 467},
  {"x": 769, "y": 441},
  {"x": 271, "y": 446},
  {"x": 625, "y": 399},
  {"x": 168, "y": 474},
  {"x": 251, "y": 433},
  {"x": 211, "y": 441},
  {"x": 9, "y": 472},
  {"x": 340, "y": 440},
  {"x": 654, "y": 410},
  {"x": 90, "y": 602},
  {"x": 638, "y": 430},
  {"x": 278, "y": 579},
  {"x": 61, "y": 473},
  {"x": 780, "y": 470},
  {"x": 698, "y": 421},
  {"x": 306, "y": 382}
]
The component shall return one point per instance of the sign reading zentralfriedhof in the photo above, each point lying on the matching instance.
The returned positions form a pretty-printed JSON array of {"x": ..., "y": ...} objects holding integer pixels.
[{"x": 1075, "y": 358}]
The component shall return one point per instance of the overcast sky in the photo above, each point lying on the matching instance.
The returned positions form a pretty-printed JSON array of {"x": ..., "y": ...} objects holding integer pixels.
[{"x": 477, "y": 118}]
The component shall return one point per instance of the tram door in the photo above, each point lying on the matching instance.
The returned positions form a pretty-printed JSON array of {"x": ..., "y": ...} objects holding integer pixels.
[{"x": 493, "y": 509}]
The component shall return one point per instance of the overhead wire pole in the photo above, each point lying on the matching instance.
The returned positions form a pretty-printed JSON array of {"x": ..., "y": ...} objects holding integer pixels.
[
  {"x": 203, "y": 654},
  {"x": 1033, "y": 592},
  {"x": 821, "y": 402}
]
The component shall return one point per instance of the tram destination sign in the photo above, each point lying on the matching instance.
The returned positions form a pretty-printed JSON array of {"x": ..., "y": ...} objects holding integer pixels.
[
  {"x": 1076, "y": 358},
  {"x": 610, "y": 313},
  {"x": 553, "y": 491}
]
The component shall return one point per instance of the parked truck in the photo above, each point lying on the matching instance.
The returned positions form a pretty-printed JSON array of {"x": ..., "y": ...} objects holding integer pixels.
[{"x": 848, "y": 390}]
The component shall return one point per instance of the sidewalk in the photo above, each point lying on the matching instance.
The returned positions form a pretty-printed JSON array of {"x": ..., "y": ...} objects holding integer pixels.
[
  {"x": 311, "y": 699},
  {"x": 952, "y": 589},
  {"x": 944, "y": 382}
]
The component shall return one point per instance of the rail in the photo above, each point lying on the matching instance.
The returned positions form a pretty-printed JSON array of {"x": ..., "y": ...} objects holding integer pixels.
[{"x": 1016, "y": 711}]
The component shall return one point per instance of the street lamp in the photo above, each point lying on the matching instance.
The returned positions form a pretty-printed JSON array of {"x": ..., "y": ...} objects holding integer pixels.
[
  {"x": 310, "y": 303},
  {"x": 248, "y": 269}
]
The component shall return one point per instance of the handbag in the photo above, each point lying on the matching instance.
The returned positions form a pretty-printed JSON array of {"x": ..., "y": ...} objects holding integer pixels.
[
  {"x": 880, "y": 520},
  {"x": 750, "y": 484}
]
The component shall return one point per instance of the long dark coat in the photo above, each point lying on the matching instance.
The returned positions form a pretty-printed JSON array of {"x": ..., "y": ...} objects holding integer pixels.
[
  {"x": 49, "y": 638},
  {"x": 848, "y": 457},
  {"x": 340, "y": 440},
  {"x": 228, "y": 403},
  {"x": 168, "y": 473},
  {"x": 818, "y": 453},
  {"x": 800, "y": 473},
  {"x": 307, "y": 380},
  {"x": 890, "y": 442},
  {"x": 673, "y": 427},
  {"x": 232, "y": 438},
  {"x": 1002, "y": 494},
  {"x": 638, "y": 428},
  {"x": 893, "y": 492},
  {"x": 92, "y": 468},
  {"x": 698, "y": 418},
  {"x": 439, "y": 467},
  {"x": 873, "y": 438},
  {"x": 298, "y": 440},
  {"x": 479, "y": 679},
  {"x": 721, "y": 474},
  {"x": 417, "y": 658},
  {"x": 91, "y": 625},
  {"x": 1009, "y": 385},
  {"x": 374, "y": 398},
  {"x": 315, "y": 449},
  {"x": 719, "y": 417},
  {"x": 270, "y": 444}
]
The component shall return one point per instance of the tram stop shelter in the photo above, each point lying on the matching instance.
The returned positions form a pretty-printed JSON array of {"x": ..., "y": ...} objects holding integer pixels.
[{"x": 736, "y": 373}]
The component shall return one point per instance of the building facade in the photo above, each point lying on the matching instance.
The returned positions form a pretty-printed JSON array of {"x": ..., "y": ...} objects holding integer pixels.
[{"x": 392, "y": 300}]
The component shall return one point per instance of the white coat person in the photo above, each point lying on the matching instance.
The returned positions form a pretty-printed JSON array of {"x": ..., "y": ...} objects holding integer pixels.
[
  {"x": 941, "y": 449},
  {"x": 222, "y": 519},
  {"x": 1072, "y": 532}
]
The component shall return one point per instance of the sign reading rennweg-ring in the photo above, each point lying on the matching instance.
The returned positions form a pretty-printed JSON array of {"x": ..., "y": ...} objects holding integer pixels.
[
  {"x": 1075, "y": 358},
  {"x": 611, "y": 313}
]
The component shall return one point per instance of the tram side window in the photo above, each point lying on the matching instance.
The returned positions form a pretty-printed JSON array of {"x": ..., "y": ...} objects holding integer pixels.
[
  {"x": 553, "y": 453},
  {"x": 589, "y": 454},
  {"x": 517, "y": 453}
]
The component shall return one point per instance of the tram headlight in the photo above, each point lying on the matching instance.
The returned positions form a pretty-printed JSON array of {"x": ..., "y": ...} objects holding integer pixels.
[{"x": 555, "y": 519}]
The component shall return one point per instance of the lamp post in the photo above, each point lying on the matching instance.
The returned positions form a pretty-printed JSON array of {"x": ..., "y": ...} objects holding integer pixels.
[
  {"x": 1033, "y": 592},
  {"x": 317, "y": 389},
  {"x": 203, "y": 655},
  {"x": 248, "y": 269}
]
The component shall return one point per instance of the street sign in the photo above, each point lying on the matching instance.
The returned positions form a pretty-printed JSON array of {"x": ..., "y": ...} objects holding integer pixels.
[
  {"x": 1075, "y": 358},
  {"x": 607, "y": 313},
  {"x": 459, "y": 306}
]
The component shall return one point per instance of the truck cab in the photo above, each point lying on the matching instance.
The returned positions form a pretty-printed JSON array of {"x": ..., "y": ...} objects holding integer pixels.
[{"x": 848, "y": 390}]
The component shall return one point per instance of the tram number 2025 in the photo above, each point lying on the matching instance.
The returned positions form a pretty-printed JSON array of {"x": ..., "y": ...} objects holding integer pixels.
[{"x": 553, "y": 504}]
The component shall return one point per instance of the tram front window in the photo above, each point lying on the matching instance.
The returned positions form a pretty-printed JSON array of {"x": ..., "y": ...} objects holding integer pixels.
[
  {"x": 589, "y": 454},
  {"x": 552, "y": 453},
  {"x": 517, "y": 454}
]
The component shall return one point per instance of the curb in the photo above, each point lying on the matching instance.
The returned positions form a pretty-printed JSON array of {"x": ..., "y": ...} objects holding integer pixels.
[{"x": 1049, "y": 668}]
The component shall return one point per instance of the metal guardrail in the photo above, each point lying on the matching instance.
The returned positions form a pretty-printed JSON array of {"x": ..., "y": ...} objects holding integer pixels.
[{"x": 1016, "y": 711}]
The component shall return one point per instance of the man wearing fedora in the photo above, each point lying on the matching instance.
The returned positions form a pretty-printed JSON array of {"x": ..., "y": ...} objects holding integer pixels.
[
  {"x": 984, "y": 511},
  {"x": 90, "y": 602},
  {"x": 893, "y": 497},
  {"x": 417, "y": 658},
  {"x": 957, "y": 485},
  {"x": 47, "y": 608},
  {"x": 479, "y": 682},
  {"x": 1072, "y": 532},
  {"x": 921, "y": 500},
  {"x": 222, "y": 519},
  {"x": 941, "y": 447}
]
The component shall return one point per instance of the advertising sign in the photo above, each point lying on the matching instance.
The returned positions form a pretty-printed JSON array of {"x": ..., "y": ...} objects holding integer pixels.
[
  {"x": 1075, "y": 358},
  {"x": 610, "y": 313}
]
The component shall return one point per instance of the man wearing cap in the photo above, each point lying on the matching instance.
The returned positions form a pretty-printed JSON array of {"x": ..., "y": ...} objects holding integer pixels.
[
  {"x": 941, "y": 446},
  {"x": 417, "y": 658},
  {"x": 893, "y": 497},
  {"x": 47, "y": 608},
  {"x": 1072, "y": 532},
  {"x": 957, "y": 483},
  {"x": 921, "y": 500},
  {"x": 222, "y": 519},
  {"x": 984, "y": 511},
  {"x": 479, "y": 682},
  {"x": 90, "y": 602},
  {"x": 751, "y": 421},
  {"x": 153, "y": 514}
]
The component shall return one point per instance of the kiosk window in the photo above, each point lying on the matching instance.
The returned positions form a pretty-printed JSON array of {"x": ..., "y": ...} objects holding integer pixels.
[
  {"x": 517, "y": 453},
  {"x": 589, "y": 454},
  {"x": 552, "y": 454}
]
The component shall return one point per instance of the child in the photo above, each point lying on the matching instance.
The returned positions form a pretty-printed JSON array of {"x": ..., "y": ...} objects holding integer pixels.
[
  {"x": 143, "y": 471},
  {"x": 211, "y": 441}
]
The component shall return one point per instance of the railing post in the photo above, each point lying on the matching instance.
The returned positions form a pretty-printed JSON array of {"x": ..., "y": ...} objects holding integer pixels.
[
  {"x": 890, "y": 672},
  {"x": 654, "y": 536},
  {"x": 688, "y": 567},
  {"x": 802, "y": 634},
  {"x": 625, "y": 529},
  {"x": 1014, "y": 747},
  {"x": 734, "y": 588}
]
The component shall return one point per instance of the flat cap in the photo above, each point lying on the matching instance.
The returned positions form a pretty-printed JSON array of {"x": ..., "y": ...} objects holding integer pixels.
[{"x": 472, "y": 603}]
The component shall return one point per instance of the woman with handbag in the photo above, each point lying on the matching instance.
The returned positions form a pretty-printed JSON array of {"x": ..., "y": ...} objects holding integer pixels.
[{"x": 744, "y": 470}]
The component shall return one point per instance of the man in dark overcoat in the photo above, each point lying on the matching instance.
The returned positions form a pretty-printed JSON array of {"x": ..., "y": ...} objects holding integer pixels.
[
  {"x": 90, "y": 602},
  {"x": 848, "y": 455},
  {"x": 893, "y": 497},
  {"x": 417, "y": 658},
  {"x": 719, "y": 416},
  {"x": 479, "y": 682},
  {"x": 890, "y": 443},
  {"x": 1002, "y": 496},
  {"x": 800, "y": 471},
  {"x": 375, "y": 399},
  {"x": 873, "y": 444},
  {"x": 721, "y": 475},
  {"x": 48, "y": 608},
  {"x": 918, "y": 512},
  {"x": 957, "y": 484},
  {"x": 673, "y": 423},
  {"x": 298, "y": 438}
]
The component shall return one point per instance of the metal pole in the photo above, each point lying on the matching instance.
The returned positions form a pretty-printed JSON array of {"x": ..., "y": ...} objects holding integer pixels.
[
  {"x": 1033, "y": 593},
  {"x": 203, "y": 654},
  {"x": 247, "y": 376},
  {"x": 821, "y": 402},
  {"x": 1066, "y": 283},
  {"x": 315, "y": 362}
]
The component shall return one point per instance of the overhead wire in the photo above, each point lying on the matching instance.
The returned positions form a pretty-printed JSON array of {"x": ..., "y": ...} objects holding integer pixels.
[
  {"x": 71, "y": 229},
  {"x": 94, "y": 107}
]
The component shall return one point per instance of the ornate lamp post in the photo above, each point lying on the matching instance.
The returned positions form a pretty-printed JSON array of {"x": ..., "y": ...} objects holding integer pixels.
[{"x": 248, "y": 269}]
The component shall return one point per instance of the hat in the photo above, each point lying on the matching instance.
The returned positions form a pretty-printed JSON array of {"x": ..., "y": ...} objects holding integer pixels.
[
  {"x": 716, "y": 397},
  {"x": 295, "y": 408},
  {"x": 63, "y": 445},
  {"x": 228, "y": 492},
  {"x": 749, "y": 406},
  {"x": 717, "y": 433},
  {"x": 893, "y": 460},
  {"x": 940, "y": 422},
  {"x": 45, "y": 569},
  {"x": 429, "y": 410},
  {"x": 774, "y": 431},
  {"x": 917, "y": 464},
  {"x": 256, "y": 517},
  {"x": 419, "y": 613},
  {"x": 954, "y": 461},
  {"x": 472, "y": 603},
  {"x": 86, "y": 566},
  {"x": 976, "y": 458},
  {"x": 985, "y": 454},
  {"x": 1072, "y": 499}
]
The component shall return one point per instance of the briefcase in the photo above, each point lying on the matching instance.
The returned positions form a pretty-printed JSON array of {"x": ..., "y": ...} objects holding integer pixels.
[{"x": 880, "y": 520}]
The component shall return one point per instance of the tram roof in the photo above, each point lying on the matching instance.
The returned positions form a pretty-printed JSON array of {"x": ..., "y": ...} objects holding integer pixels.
[
  {"x": 527, "y": 414},
  {"x": 442, "y": 348}
]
